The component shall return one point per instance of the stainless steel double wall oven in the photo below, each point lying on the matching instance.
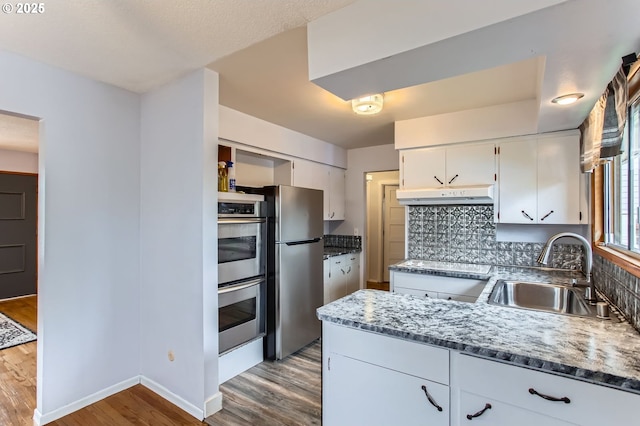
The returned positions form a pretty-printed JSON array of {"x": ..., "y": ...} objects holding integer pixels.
[{"x": 241, "y": 271}]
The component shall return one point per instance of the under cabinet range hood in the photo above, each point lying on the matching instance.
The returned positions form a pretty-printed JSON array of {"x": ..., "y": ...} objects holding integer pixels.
[{"x": 478, "y": 194}]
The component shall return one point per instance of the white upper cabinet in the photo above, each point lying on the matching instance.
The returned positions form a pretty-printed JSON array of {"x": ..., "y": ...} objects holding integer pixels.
[
  {"x": 422, "y": 168},
  {"x": 330, "y": 180},
  {"x": 336, "y": 194},
  {"x": 518, "y": 184},
  {"x": 459, "y": 165},
  {"x": 540, "y": 180}
]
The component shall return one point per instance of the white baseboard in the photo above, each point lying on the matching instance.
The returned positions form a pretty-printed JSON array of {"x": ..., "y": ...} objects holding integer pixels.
[
  {"x": 42, "y": 419},
  {"x": 213, "y": 405},
  {"x": 172, "y": 398}
]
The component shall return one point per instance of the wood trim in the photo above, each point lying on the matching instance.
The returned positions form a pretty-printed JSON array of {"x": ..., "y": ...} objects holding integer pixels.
[
  {"x": 18, "y": 173},
  {"x": 624, "y": 261}
]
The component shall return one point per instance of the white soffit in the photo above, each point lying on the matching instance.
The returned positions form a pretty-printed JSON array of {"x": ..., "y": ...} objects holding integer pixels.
[
  {"x": 18, "y": 134},
  {"x": 142, "y": 44},
  {"x": 365, "y": 32}
]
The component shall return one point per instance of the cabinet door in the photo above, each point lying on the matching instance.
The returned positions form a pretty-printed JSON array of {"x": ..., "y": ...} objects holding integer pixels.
[
  {"x": 559, "y": 180},
  {"x": 422, "y": 168},
  {"x": 500, "y": 414},
  {"x": 326, "y": 264},
  {"x": 337, "y": 282},
  {"x": 518, "y": 182},
  {"x": 352, "y": 390},
  {"x": 353, "y": 273},
  {"x": 336, "y": 194},
  {"x": 308, "y": 174},
  {"x": 471, "y": 165}
]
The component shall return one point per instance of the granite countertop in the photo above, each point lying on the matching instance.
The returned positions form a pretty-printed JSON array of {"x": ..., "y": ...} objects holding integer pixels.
[
  {"x": 338, "y": 251},
  {"x": 601, "y": 352}
]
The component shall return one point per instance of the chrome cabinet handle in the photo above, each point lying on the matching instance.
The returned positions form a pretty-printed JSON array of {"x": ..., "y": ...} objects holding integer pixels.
[
  {"x": 342, "y": 271},
  {"x": 424, "y": 388},
  {"x": 333, "y": 214},
  {"x": 426, "y": 295},
  {"x": 479, "y": 413},
  {"x": 564, "y": 399},
  {"x": 439, "y": 181},
  {"x": 546, "y": 216},
  {"x": 452, "y": 179},
  {"x": 526, "y": 215},
  {"x": 349, "y": 270}
]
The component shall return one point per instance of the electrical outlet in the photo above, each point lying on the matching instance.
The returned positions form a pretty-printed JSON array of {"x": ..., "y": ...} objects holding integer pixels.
[{"x": 171, "y": 356}]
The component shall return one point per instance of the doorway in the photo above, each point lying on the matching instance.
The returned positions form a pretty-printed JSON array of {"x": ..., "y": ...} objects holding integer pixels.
[
  {"x": 19, "y": 146},
  {"x": 385, "y": 238}
]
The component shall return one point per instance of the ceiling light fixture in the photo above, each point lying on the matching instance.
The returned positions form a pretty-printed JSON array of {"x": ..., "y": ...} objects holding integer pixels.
[
  {"x": 567, "y": 99},
  {"x": 368, "y": 105}
]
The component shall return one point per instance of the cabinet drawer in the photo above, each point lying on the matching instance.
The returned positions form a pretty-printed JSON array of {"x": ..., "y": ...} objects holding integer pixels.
[
  {"x": 416, "y": 292},
  {"x": 463, "y": 286},
  {"x": 500, "y": 414},
  {"x": 511, "y": 384},
  {"x": 337, "y": 262},
  {"x": 458, "y": 297},
  {"x": 417, "y": 359}
]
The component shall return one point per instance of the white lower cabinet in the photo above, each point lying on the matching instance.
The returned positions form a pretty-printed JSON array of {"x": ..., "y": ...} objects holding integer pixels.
[
  {"x": 373, "y": 379},
  {"x": 527, "y": 397},
  {"x": 435, "y": 286},
  {"x": 342, "y": 276}
]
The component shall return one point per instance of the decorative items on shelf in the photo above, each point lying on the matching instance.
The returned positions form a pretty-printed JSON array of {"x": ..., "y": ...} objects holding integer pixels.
[
  {"x": 231, "y": 177},
  {"x": 223, "y": 185}
]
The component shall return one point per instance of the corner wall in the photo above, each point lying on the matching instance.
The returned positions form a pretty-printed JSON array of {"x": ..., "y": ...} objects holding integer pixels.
[
  {"x": 178, "y": 232},
  {"x": 88, "y": 239}
]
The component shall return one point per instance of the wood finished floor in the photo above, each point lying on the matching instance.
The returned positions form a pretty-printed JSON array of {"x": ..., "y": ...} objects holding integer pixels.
[
  {"x": 286, "y": 392},
  {"x": 18, "y": 367}
]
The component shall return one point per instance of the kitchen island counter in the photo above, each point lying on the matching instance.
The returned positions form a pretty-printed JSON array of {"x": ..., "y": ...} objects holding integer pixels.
[{"x": 595, "y": 351}]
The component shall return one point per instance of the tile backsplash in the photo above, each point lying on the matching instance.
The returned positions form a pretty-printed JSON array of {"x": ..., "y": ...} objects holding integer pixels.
[
  {"x": 467, "y": 233},
  {"x": 346, "y": 241},
  {"x": 621, "y": 287}
]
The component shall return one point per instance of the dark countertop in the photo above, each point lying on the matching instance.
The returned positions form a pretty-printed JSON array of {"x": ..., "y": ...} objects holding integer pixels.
[
  {"x": 338, "y": 251},
  {"x": 601, "y": 352}
]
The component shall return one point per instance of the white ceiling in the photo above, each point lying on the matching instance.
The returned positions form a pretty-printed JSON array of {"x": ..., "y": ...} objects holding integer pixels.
[
  {"x": 18, "y": 133},
  {"x": 259, "y": 48}
]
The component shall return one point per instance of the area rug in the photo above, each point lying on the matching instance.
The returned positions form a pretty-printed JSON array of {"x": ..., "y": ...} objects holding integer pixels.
[{"x": 13, "y": 333}]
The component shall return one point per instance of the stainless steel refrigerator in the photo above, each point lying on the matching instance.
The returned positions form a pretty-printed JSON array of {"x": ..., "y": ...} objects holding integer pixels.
[{"x": 294, "y": 268}]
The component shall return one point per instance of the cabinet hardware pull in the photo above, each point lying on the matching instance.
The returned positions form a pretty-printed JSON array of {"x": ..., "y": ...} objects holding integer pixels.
[
  {"x": 546, "y": 215},
  {"x": 342, "y": 271},
  {"x": 349, "y": 270},
  {"x": 424, "y": 388},
  {"x": 426, "y": 295},
  {"x": 526, "y": 215},
  {"x": 452, "y": 179},
  {"x": 333, "y": 214},
  {"x": 439, "y": 181},
  {"x": 564, "y": 399},
  {"x": 479, "y": 413},
  {"x": 449, "y": 298}
]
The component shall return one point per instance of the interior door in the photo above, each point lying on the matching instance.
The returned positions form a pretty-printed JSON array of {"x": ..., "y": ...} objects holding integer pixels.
[
  {"x": 18, "y": 216},
  {"x": 393, "y": 238}
]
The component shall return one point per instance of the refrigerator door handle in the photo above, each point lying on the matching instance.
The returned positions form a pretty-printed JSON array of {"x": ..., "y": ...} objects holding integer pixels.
[{"x": 295, "y": 243}]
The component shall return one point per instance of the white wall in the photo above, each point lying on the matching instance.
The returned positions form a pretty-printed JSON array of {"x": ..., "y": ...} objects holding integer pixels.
[
  {"x": 178, "y": 232},
  {"x": 246, "y": 129},
  {"x": 18, "y": 161},
  {"x": 88, "y": 292},
  {"x": 360, "y": 161}
]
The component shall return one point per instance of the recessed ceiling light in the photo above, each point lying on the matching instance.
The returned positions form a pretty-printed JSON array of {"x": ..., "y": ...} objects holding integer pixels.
[
  {"x": 368, "y": 105},
  {"x": 567, "y": 99}
]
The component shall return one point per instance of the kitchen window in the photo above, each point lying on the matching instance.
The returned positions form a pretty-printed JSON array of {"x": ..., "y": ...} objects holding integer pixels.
[{"x": 617, "y": 186}]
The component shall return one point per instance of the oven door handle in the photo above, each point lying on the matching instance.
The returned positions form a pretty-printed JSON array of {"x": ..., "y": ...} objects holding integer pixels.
[
  {"x": 240, "y": 221},
  {"x": 240, "y": 286}
]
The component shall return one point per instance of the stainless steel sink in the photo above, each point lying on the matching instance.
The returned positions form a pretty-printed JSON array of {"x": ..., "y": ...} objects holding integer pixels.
[{"x": 561, "y": 299}]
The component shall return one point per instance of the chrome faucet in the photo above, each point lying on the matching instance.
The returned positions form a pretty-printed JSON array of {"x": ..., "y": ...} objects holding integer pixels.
[{"x": 543, "y": 259}]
